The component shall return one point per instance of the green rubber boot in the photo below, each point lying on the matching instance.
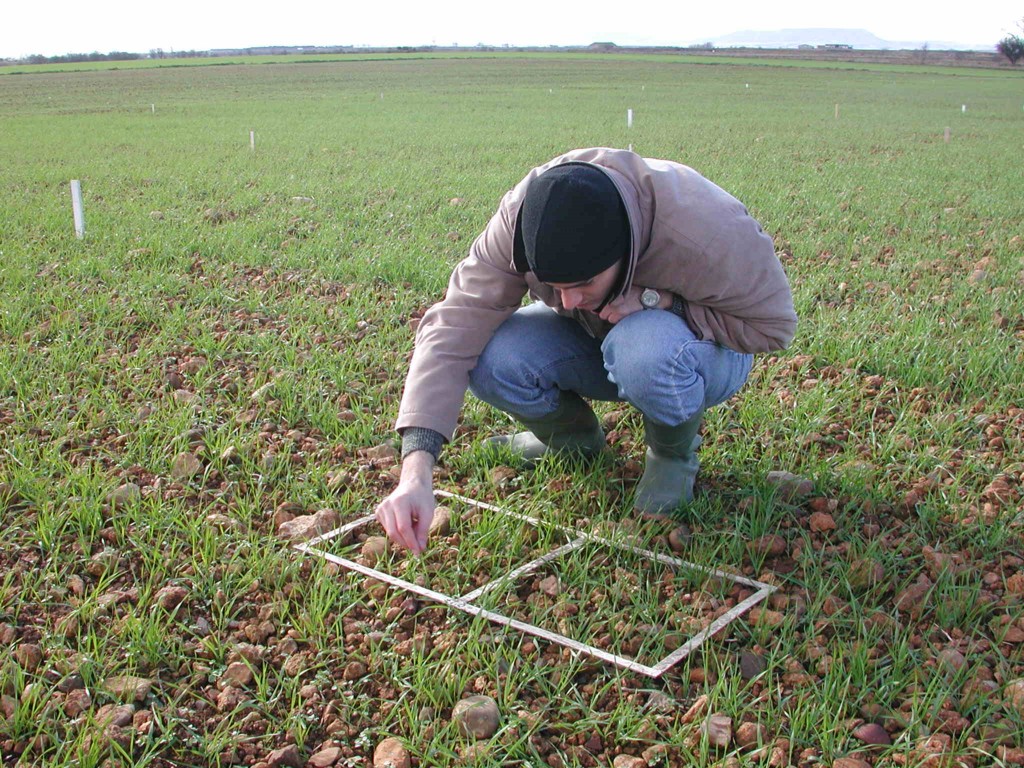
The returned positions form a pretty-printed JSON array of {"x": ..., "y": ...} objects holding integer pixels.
[
  {"x": 671, "y": 467},
  {"x": 572, "y": 429}
]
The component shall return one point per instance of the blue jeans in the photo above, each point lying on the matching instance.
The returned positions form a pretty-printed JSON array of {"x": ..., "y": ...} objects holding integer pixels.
[{"x": 650, "y": 359}]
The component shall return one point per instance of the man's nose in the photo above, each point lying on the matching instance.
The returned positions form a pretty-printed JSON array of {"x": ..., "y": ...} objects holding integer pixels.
[{"x": 570, "y": 299}]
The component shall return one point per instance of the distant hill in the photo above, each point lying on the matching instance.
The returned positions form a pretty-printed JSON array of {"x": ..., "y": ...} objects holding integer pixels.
[{"x": 860, "y": 39}]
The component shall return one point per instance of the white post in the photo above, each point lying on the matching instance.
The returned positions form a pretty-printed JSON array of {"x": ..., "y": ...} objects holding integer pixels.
[
  {"x": 77, "y": 209},
  {"x": 630, "y": 147},
  {"x": 963, "y": 107},
  {"x": 629, "y": 118},
  {"x": 837, "y": 111},
  {"x": 153, "y": 108},
  {"x": 946, "y": 134},
  {"x": 252, "y": 140}
]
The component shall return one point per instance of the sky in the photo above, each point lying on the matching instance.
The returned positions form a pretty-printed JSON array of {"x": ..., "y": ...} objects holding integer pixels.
[{"x": 60, "y": 26}]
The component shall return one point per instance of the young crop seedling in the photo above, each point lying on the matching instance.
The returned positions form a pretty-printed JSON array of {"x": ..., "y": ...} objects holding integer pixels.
[{"x": 631, "y": 607}]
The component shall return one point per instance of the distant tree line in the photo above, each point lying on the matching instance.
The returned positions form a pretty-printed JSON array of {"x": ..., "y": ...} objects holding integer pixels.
[{"x": 73, "y": 58}]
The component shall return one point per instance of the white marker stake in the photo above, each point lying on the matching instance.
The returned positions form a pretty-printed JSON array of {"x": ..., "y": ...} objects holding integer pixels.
[
  {"x": 946, "y": 134},
  {"x": 77, "y": 209},
  {"x": 963, "y": 107},
  {"x": 629, "y": 118},
  {"x": 630, "y": 147},
  {"x": 837, "y": 111},
  {"x": 153, "y": 108},
  {"x": 252, "y": 140}
]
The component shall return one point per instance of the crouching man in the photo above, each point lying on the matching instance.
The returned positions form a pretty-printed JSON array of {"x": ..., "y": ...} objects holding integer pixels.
[{"x": 650, "y": 285}]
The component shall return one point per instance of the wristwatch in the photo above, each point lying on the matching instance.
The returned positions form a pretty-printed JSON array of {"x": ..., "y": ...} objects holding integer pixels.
[{"x": 649, "y": 298}]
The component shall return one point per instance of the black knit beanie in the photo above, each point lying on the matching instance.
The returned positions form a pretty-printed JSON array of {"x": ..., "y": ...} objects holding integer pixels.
[{"x": 572, "y": 224}]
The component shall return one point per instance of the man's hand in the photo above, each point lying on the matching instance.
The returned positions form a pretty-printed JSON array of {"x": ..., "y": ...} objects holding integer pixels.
[
  {"x": 407, "y": 512},
  {"x": 629, "y": 302}
]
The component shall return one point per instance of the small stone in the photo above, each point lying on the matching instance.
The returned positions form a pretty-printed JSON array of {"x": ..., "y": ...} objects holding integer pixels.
[
  {"x": 629, "y": 761},
  {"x": 354, "y": 670},
  {"x": 771, "y": 545},
  {"x": 441, "y": 525},
  {"x": 306, "y": 527},
  {"x": 391, "y": 753},
  {"x": 850, "y": 762},
  {"x": 286, "y": 757},
  {"x": 873, "y": 734},
  {"x": 124, "y": 495},
  {"x": 866, "y": 573},
  {"x": 29, "y": 656},
  {"x": 324, "y": 758},
  {"x": 384, "y": 453},
  {"x": 550, "y": 586},
  {"x": 373, "y": 549},
  {"x": 822, "y": 522},
  {"x": 238, "y": 674},
  {"x": 751, "y": 735},
  {"x": 477, "y": 716},
  {"x": 77, "y": 702},
  {"x": 117, "y": 715},
  {"x": 790, "y": 486},
  {"x": 1013, "y": 695},
  {"x": 718, "y": 729},
  {"x": 229, "y": 699},
  {"x": 295, "y": 664},
  {"x": 696, "y": 710},
  {"x": 128, "y": 688},
  {"x": 185, "y": 466},
  {"x": 679, "y": 538},
  {"x": 171, "y": 596},
  {"x": 751, "y": 665},
  {"x": 952, "y": 659}
]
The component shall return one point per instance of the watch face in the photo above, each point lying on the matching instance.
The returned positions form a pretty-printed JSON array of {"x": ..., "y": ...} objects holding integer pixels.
[{"x": 650, "y": 298}]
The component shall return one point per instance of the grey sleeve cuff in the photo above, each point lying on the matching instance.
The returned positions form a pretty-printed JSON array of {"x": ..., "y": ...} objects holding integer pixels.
[{"x": 421, "y": 439}]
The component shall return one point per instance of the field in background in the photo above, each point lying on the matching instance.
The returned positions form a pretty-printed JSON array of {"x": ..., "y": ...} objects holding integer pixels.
[{"x": 227, "y": 345}]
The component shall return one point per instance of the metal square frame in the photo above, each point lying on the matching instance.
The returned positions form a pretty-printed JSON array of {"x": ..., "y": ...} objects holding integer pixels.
[{"x": 465, "y": 603}]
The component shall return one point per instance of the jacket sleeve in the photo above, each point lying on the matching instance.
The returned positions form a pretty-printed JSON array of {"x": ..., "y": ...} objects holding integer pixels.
[
  {"x": 732, "y": 283},
  {"x": 482, "y": 292}
]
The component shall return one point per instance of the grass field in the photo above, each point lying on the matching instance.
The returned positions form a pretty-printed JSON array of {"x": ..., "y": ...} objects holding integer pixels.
[{"x": 226, "y": 347}]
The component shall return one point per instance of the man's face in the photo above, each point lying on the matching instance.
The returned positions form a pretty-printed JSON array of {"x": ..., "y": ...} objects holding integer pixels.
[{"x": 588, "y": 294}]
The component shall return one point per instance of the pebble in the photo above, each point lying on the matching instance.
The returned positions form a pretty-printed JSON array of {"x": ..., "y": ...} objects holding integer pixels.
[
  {"x": 127, "y": 687},
  {"x": 286, "y": 757},
  {"x": 872, "y": 733},
  {"x": 790, "y": 486},
  {"x": 185, "y": 466},
  {"x": 629, "y": 761},
  {"x": 326, "y": 757},
  {"x": 391, "y": 753},
  {"x": 306, "y": 527},
  {"x": 354, "y": 670},
  {"x": 718, "y": 729},
  {"x": 238, "y": 675},
  {"x": 477, "y": 716},
  {"x": 373, "y": 549},
  {"x": 124, "y": 495},
  {"x": 441, "y": 525},
  {"x": 171, "y": 596}
]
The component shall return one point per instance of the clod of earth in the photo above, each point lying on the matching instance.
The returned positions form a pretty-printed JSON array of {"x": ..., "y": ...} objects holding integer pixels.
[
  {"x": 391, "y": 753},
  {"x": 29, "y": 656},
  {"x": 185, "y": 466},
  {"x": 477, "y": 716}
]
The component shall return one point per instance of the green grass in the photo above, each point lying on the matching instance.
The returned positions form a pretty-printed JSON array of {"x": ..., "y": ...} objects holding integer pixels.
[{"x": 253, "y": 308}]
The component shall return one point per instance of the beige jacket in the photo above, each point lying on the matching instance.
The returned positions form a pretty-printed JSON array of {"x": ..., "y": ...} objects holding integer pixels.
[{"x": 690, "y": 237}]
